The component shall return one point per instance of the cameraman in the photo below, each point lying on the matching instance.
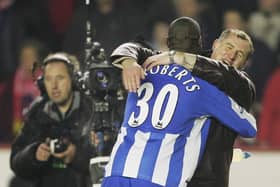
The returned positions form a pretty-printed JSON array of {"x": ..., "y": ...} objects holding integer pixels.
[{"x": 53, "y": 148}]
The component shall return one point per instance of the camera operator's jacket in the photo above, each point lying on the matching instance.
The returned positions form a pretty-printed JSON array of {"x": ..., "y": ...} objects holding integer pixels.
[
  {"x": 44, "y": 120},
  {"x": 213, "y": 169}
]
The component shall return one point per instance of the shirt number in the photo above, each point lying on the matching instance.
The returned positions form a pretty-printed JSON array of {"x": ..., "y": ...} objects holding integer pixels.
[{"x": 158, "y": 121}]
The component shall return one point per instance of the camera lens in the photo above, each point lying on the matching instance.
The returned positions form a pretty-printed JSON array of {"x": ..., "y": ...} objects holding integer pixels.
[
  {"x": 57, "y": 146},
  {"x": 102, "y": 79}
]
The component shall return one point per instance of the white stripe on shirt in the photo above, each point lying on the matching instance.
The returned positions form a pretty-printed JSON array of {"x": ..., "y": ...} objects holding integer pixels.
[
  {"x": 119, "y": 141},
  {"x": 192, "y": 150},
  {"x": 162, "y": 164},
  {"x": 134, "y": 157}
]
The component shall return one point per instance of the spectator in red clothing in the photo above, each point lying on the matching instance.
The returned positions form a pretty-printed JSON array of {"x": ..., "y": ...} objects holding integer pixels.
[
  {"x": 24, "y": 89},
  {"x": 46, "y": 20},
  {"x": 11, "y": 34},
  {"x": 269, "y": 123}
]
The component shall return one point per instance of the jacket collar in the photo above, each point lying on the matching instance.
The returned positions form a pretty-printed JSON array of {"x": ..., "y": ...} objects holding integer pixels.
[{"x": 52, "y": 111}]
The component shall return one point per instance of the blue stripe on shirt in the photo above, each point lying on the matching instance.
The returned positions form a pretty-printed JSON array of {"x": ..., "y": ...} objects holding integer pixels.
[
  {"x": 148, "y": 163},
  {"x": 119, "y": 160},
  {"x": 176, "y": 163}
]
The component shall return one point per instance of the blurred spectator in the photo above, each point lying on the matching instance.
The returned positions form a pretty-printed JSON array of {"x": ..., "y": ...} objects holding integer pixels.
[
  {"x": 108, "y": 27},
  {"x": 44, "y": 20},
  {"x": 140, "y": 17},
  {"x": 263, "y": 61},
  {"x": 264, "y": 23},
  {"x": 11, "y": 35},
  {"x": 269, "y": 123},
  {"x": 33, "y": 14},
  {"x": 59, "y": 21},
  {"x": 159, "y": 35},
  {"x": 24, "y": 88},
  {"x": 159, "y": 11},
  {"x": 241, "y": 5},
  {"x": 198, "y": 9},
  {"x": 204, "y": 13}
]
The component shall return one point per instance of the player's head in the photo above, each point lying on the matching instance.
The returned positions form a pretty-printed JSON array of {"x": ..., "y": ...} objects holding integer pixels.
[
  {"x": 233, "y": 47},
  {"x": 184, "y": 35},
  {"x": 58, "y": 72}
]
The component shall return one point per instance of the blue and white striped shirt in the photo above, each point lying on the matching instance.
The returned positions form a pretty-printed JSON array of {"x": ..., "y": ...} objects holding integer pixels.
[{"x": 166, "y": 124}]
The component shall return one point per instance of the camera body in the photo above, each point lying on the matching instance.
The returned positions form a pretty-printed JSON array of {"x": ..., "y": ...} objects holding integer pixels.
[
  {"x": 98, "y": 77},
  {"x": 58, "y": 145},
  {"x": 102, "y": 82},
  {"x": 60, "y": 135}
]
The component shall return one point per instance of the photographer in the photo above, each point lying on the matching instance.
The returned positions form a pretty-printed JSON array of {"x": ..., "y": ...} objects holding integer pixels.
[{"x": 53, "y": 148}]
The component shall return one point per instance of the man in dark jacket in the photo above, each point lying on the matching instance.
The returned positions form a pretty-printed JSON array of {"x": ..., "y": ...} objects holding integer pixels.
[
  {"x": 53, "y": 148},
  {"x": 232, "y": 49}
]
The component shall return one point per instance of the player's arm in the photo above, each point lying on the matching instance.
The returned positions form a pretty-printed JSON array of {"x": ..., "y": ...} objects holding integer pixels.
[
  {"x": 227, "y": 111},
  {"x": 226, "y": 78},
  {"x": 130, "y": 50},
  {"x": 128, "y": 56},
  {"x": 215, "y": 72}
]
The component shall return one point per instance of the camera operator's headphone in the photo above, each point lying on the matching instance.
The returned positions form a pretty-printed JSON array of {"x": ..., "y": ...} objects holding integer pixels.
[{"x": 60, "y": 57}]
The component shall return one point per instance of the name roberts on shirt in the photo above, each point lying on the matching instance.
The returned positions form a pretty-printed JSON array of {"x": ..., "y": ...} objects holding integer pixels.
[{"x": 179, "y": 73}]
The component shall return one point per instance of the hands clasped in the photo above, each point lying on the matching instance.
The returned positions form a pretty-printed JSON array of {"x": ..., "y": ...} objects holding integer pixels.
[{"x": 44, "y": 152}]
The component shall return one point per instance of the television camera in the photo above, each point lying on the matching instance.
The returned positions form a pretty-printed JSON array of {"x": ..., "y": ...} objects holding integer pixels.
[{"x": 102, "y": 82}]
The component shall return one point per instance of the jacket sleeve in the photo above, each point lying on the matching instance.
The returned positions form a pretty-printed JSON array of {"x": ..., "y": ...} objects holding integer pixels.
[
  {"x": 228, "y": 79},
  {"x": 23, "y": 149},
  {"x": 132, "y": 50},
  {"x": 22, "y": 158},
  {"x": 84, "y": 153}
]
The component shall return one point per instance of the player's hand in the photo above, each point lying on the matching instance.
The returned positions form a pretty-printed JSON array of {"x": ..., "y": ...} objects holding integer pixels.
[
  {"x": 68, "y": 155},
  {"x": 132, "y": 74},
  {"x": 160, "y": 59},
  {"x": 43, "y": 152}
]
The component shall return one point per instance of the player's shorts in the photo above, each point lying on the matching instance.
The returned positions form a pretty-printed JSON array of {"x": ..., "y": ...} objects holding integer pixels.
[{"x": 116, "y": 181}]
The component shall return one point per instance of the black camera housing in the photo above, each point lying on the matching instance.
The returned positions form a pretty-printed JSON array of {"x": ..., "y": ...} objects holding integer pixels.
[
  {"x": 58, "y": 145},
  {"x": 98, "y": 77}
]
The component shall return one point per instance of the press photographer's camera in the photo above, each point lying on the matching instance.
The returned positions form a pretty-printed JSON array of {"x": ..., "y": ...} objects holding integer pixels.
[
  {"x": 58, "y": 145},
  {"x": 60, "y": 137}
]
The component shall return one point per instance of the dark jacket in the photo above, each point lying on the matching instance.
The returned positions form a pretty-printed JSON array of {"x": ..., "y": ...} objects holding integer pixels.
[
  {"x": 213, "y": 169},
  {"x": 44, "y": 120}
]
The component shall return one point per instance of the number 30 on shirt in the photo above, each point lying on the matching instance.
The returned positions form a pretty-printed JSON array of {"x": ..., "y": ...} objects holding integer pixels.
[{"x": 158, "y": 121}]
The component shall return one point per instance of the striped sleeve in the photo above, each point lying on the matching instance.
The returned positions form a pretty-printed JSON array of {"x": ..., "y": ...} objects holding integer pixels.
[{"x": 226, "y": 110}]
